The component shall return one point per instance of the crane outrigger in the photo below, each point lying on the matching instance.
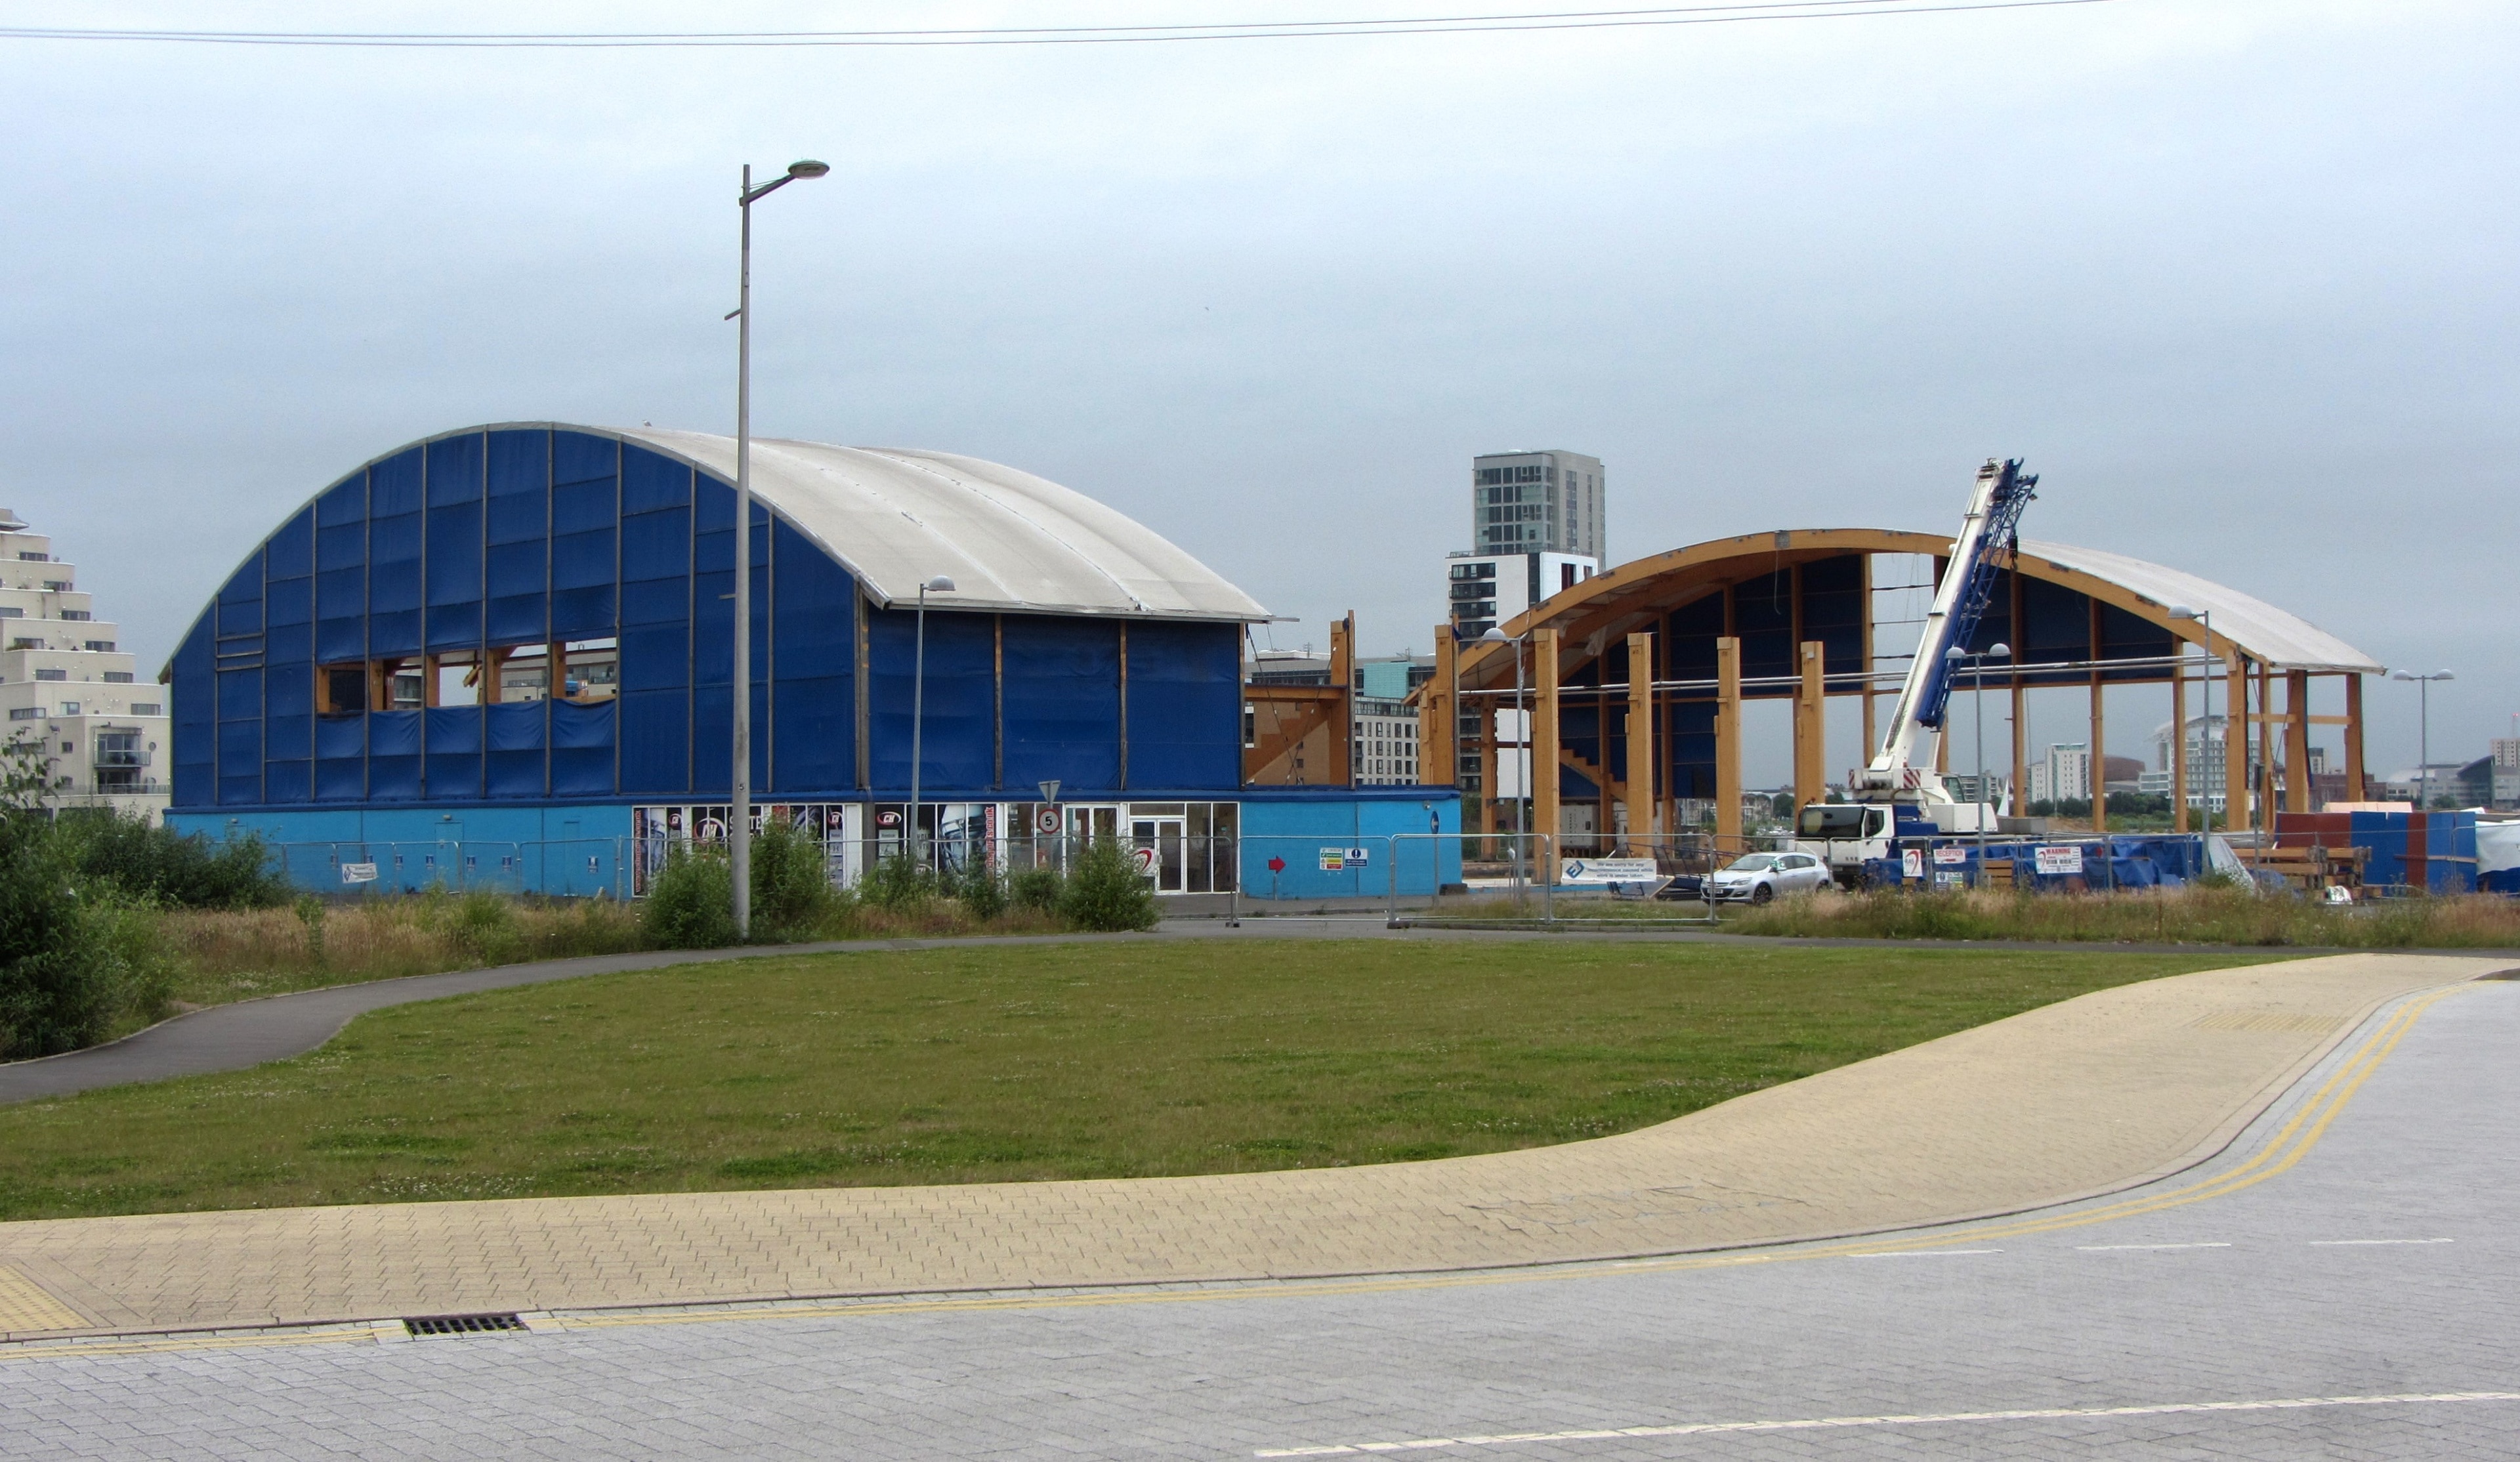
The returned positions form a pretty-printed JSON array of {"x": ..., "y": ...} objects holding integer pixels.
[{"x": 1899, "y": 794}]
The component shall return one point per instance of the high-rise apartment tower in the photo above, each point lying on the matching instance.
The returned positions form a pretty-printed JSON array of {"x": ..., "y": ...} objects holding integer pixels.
[{"x": 1535, "y": 527}]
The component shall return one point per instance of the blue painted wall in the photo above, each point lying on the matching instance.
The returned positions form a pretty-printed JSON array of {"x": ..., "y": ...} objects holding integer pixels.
[{"x": 1296, "y": 824}]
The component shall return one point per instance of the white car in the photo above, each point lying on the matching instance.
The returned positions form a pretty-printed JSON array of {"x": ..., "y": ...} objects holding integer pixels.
[{"x": 1760, "y": 878}]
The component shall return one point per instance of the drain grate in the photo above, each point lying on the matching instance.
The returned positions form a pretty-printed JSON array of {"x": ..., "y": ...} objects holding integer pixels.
[{"x": 461, "y": 1325}]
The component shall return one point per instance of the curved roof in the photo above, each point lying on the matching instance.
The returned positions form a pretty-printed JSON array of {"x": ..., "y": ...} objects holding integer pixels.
[
  {"x": 896, "y": 518},
  {"x": 1624, "y": 597}
]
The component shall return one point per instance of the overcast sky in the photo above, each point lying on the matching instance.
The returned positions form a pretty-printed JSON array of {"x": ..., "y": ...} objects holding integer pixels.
[{"x": 2237, "y": 276}]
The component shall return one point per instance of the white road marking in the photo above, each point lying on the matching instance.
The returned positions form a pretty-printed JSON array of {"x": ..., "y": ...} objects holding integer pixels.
[
  {"x": 2117, "y": 1248},
  {"x": 2055, "y": 1413},
  {"x": 1922, "y": 1253},
  {"x": 2361, "y": 1243}
]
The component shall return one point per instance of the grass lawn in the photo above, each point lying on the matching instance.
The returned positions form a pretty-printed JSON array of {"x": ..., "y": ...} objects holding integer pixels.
[{"x": 1021, "y": 1063}]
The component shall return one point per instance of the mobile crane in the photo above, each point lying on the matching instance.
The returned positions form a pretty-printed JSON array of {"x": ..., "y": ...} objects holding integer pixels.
[{"x": 1899, "y": 794}]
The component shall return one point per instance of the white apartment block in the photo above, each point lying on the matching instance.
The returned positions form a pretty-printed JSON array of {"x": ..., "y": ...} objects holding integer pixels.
[
  {"x": 2065, "y": 774},
  {"x": 67, "y": 686},
  {"x": 1387, "y": 744}
]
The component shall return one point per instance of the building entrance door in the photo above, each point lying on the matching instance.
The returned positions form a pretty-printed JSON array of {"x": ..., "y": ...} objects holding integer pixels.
[{"x": 1159, "y": 844}]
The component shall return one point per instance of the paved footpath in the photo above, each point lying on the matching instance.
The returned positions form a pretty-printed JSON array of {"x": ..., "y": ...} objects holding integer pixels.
[
  {"x": 2342, "y": 1282},
  {"x": 2078, "y": 1097}
]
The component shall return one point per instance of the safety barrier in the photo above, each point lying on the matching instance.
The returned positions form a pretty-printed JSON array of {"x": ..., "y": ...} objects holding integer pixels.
[{"x": 578, "y": 867}]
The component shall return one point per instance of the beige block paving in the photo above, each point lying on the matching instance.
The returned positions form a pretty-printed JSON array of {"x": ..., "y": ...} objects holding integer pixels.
[{"x": 2080, "y": 1096}]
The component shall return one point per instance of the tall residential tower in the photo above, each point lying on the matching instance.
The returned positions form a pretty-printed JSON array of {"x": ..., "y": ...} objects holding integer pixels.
[{"x": 1535, "y": 527}]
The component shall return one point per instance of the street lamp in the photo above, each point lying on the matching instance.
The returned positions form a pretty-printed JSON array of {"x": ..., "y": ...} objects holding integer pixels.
[
  {"x": 1522, "y": 726},
  {"x": 740, "y": 821},
  {"x": 1977, "y": 705},
  {"x": 918, "y": 703},
  {"x": 2424, "y": 754},
  {"x": 2213, "y": 663}
]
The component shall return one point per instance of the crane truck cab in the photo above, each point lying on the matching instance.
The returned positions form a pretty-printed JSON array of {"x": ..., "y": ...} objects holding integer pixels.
[{"x": 1845, "y": 835}]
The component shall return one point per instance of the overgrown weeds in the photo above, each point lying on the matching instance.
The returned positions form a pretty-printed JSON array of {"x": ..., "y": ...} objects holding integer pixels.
[{"x": 2204, "y": 914}]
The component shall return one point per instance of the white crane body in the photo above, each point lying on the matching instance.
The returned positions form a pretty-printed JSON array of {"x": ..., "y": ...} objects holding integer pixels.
[{"x": 1899, "y": 790}]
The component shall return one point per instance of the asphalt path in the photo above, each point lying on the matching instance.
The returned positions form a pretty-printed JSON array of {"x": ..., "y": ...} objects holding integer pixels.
[
  {"x": 2345, "y": 1283},
  {"x": 250, "y": 1033}
]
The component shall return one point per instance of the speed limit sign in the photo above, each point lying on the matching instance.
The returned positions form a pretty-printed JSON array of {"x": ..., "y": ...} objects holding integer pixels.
[{"x": 1046, "y": 820}]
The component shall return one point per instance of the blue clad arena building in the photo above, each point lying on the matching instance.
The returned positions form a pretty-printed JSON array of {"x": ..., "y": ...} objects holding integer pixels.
[{"x": 503, "y": 656}]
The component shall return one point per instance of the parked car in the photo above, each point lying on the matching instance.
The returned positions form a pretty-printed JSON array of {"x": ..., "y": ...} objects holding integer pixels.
[{"x": 1758, "y": 877}]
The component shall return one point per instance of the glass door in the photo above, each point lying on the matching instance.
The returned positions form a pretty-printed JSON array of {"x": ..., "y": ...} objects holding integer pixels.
[{"x": 1159, "y": 844}]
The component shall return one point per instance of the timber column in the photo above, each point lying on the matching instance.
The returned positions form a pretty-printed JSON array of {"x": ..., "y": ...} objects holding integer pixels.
[
  {"x": 2353, "y": 735},
  {"x": 2235, "y": 748},
  {"x": 1727, "y": 744},
  {"x": 2296, "y": 798},
  {"x": 1544, "y": 746},
  {"x": 1642, "y": 760},
  {"x": 1811, "y": 730},
  {"x": 1439, "y": 721},
  {"x": 1342, "y": 767}
]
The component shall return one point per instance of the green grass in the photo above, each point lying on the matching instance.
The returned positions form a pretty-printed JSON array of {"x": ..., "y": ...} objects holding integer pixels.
[{"x": 1013, "y": 1063}]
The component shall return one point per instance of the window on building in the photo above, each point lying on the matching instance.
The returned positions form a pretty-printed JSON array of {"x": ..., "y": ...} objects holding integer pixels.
[
  {"x": 22, "y": 643},
  {"x": 147, "y": 708},
  {"x": 57, "y": 586},
  {"x": 26, "y": 713},
  {"x": 35, "y": 558},
  {"x": 10, "y": 613},
  {"x": 69, "y": 708},
  {"x": 100, "y": 647},
  {"x": 118, "y": 676},
  {"x": 52, "y": 675}
]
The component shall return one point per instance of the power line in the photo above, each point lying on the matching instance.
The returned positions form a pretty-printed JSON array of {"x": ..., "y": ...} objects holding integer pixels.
[{"x": 1047, "y": 35}]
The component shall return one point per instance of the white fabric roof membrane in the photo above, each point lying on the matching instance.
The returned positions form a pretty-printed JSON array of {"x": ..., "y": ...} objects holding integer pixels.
[
  {"x": 1009, "y": 540},
  {"x": 2284, "y": 640}
]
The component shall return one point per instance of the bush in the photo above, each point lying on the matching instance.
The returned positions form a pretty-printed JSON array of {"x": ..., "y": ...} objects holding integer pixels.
[
  {"x": 690, "y": 905},
  {"x": 1036, "y": 890},
  {"x": 175, "y": 869},
  {"x": 76, "y": 958},
  {"x": 981, "y": 890},
  {"x": 793, "y": 896},
  {"x": 897, "y": 884},
  {"x": 482, "y": 927},
  {"x": 1105, "y": 893}
]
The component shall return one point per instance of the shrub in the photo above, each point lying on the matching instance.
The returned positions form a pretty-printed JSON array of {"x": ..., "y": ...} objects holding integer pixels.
[
  {"x": 76, "y": 958},
  {"x": 1036, "y": 890},
  {"x": 1105, "y": 893},
  {"x": 982, "y": 890},
  {"x": 482, "y": 927},
  {"x": 897, "y": 884},
  {"x": 176, "y": 870},
  {"x": 690, "y": 903},
  {"x": 791, "y": 884}
]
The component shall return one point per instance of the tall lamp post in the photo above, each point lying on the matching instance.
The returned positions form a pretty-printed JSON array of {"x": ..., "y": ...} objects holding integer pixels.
[
  {"x": 2212, "y": 664},
  {"x": 918, "y": 705},
  {"x": 1522, "y": 727},
  {"x": 738, "y": 830},
  {"x": 2425, "y": 753},
  {"x": 1977, "y": 706}
]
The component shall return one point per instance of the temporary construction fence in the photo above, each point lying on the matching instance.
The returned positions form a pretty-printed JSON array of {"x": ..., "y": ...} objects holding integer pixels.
[{"x": 572, "y": 868}]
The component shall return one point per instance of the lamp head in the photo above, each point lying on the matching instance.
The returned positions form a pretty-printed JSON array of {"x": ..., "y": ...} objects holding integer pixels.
[
  {"x": 1493, "y": 635},
  {"x": 1999, "y": 650},
  {"x": 2182, "y": 611},
  {"x": 939, "y": 585},
  {"x": 1954, "y": 654},
  {"x": 807, "y": 168},
  {"x": 2399, "y": 674}
]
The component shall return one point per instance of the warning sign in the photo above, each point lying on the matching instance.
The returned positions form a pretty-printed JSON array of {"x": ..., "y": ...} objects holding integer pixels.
[
  {"x": 358, "y": 873},
  {"x": 2066, "y": 859}
]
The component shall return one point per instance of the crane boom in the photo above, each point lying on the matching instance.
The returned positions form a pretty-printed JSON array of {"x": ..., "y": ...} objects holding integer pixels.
[{"x": 1993, "y": 515}]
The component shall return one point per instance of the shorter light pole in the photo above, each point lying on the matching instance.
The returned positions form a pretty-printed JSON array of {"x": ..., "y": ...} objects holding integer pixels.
[
  {"x": 1977, "y": 707},
  {"x": 2424, "y": 723},
  {"x": 919, "y": 706},
  {"x": 2205, "y": 618}
]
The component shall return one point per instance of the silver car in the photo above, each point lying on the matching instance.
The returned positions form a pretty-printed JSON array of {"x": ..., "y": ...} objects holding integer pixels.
[{"x": 1758, "y": 877}]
